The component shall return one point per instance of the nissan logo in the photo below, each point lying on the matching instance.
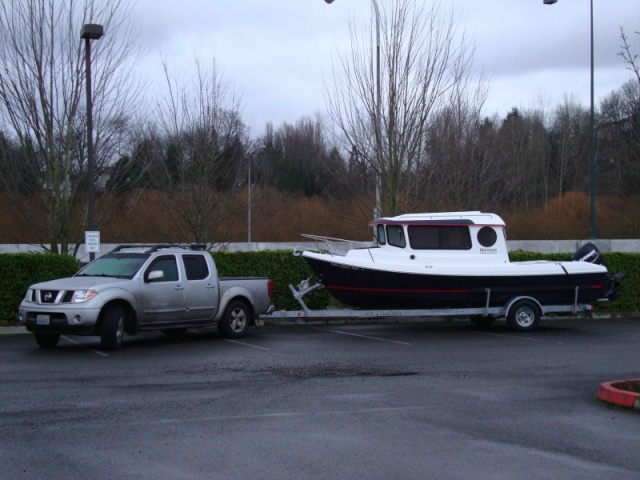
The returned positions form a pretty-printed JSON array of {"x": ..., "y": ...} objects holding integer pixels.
[{"x": 48, "y": 296}]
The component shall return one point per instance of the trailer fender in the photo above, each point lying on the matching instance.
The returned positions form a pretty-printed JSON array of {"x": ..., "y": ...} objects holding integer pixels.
[
  {"x": 523, "y": 313},
  {"x": 511, "y": 302}
]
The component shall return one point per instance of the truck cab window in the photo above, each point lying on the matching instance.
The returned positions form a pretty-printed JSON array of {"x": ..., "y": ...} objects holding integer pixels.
[
  {"x": 195, "y": 267},
  {"x": 167, "y": 264}
]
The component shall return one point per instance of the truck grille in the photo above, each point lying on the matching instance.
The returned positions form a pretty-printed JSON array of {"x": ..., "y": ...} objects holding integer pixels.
[
  {"x": 52, "y": 296},
  {"x": 48, "y": 296}
]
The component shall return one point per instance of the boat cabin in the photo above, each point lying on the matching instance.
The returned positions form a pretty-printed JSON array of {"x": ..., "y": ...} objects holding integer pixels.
[{"x": 465, "y": 233}]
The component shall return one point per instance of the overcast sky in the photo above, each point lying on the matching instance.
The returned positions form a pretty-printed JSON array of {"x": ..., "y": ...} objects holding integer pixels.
[{"x": 279, "y": 53}]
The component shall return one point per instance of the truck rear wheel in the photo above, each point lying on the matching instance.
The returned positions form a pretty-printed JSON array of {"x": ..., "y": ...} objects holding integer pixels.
[
  {"x": 235, "y": 321},
  {"x": 47, "y": 340},
  {"x": 524, "y": 316},
  {"x": 174, "y": 332},
  {"x": 112, "y": 331}
]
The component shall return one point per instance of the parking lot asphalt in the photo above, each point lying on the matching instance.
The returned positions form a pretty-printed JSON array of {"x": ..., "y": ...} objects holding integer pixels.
[
  {"x": 439, "y": 400},
  {"x": 608, "y": 391}
]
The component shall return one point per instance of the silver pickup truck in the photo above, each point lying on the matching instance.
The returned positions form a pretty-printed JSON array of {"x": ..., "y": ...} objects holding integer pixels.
[{"x": 133, "y": 288}]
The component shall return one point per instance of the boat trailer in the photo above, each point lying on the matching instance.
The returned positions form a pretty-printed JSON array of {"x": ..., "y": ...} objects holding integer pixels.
[{"x": 522, "y": 313}]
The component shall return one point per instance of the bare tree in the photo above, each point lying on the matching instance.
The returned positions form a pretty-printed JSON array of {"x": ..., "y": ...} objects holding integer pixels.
[
  {"x": 42, "y": 78},
  {"x": 203, "y": 147},
  {"x": 619, "y": 140},
  {"x": 630, "y": 58},
  {"x": 569, "y": 137},
  {"x": 423, "y": 59}
]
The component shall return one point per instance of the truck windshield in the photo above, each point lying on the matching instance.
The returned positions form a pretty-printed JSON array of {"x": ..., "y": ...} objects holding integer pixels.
[{"x": 123, "y": 265}]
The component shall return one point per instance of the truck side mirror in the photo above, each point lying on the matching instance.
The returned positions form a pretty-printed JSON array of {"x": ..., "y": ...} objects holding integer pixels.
[{"x": 155, "y": 275}]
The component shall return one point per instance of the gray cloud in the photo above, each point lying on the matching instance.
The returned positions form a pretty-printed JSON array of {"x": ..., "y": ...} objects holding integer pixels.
[{"x": 278, "y": 51}]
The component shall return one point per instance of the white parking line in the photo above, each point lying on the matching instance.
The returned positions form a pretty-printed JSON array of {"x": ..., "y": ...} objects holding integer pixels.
[
  {"x": 245, "y": 344},
  {"x": 75, "y": 342},
  {"x": 518, "y": 337},
  {"x": 361, "y": 336}
]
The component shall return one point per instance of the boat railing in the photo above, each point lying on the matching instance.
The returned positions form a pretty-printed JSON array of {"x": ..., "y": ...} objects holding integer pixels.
[{"x": 338, "y": 247}]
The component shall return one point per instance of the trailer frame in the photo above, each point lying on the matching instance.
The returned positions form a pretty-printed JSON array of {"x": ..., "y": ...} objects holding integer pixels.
[{"x": 523, "y": 312}]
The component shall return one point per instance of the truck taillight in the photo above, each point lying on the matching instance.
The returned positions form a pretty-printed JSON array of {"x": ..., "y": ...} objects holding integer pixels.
[{"x": 269, "y": 288}]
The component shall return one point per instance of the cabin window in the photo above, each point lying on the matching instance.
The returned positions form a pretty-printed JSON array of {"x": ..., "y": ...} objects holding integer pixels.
[
  {"x": 166, "y": 264},
  {"x": 195, "y": 267},
  {"x": 382, "y": 239},
  {"x": 395, "y": 236},
  {"x": 487, "y": 237},
  {"x": 439, "y": 237}
]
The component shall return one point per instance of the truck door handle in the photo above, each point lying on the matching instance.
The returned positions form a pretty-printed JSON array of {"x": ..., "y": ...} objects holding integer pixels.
[{"x": 179, "y": 287}]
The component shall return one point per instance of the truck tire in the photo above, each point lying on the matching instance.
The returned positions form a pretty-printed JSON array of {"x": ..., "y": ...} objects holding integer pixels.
[
  {"x": 112, "y": 330},
  {"x": 174, "y": 332},
  {"x": 235, "y": 321},
  {"x": 47, "y": 340},
  {"x": 524, "y": 316}
]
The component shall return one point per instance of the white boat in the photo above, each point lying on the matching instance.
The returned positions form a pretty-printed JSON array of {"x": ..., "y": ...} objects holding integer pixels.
[{"x": 453, "y": 259}]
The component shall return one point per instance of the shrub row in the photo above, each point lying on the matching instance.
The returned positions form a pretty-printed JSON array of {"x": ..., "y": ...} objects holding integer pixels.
[{"x": 18, "y": 271}]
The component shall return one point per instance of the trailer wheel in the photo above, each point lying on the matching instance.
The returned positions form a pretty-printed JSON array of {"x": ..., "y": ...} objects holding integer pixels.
[
  {"x": 112, "y": 331},
  {"x": 524, "y": 316},
  {"x": 235, "y": 321},
  {"x": 47, "y": 340},
  {"x": 481, "y": 321}
]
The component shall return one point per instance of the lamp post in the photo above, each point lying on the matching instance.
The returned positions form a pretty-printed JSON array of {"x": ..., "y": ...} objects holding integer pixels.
[
  {"x": 90, "y": 31},
  {"x": 592, "y": 138},
  {"x": 378, "y": 121},
  {"x": 249, "y": 203}
]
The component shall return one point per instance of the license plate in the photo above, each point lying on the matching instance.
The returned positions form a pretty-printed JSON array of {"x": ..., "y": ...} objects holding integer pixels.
[{"x": 42, "y": 319}]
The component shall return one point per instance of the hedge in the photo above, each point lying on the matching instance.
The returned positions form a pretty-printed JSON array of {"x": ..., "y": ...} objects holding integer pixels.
[
  {"x": 282, "y": 267},
  {"x": 18, "y": 271}
]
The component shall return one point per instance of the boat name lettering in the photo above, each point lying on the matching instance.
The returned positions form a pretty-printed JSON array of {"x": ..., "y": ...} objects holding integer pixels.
[
  {"x": 381, "y": 313},
  {"x": 346, "y": 267},
  {"x": 488, "y": 250}
]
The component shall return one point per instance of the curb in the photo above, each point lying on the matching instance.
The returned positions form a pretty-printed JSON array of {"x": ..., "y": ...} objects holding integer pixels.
[
  {"x": 610, "y": 394},
  {"x": 12, "y": 330}
]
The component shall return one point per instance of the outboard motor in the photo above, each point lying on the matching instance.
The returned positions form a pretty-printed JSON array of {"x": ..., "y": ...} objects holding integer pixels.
[{"x": 588, "y": 253}]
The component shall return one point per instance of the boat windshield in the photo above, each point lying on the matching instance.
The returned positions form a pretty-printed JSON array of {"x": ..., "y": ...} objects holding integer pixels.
[
  {"x": 395, "y": 236},
  {"x": 439, "y": 237},
  {"x": 382, "y": 238},
  {"x": 121, "y": 265}
]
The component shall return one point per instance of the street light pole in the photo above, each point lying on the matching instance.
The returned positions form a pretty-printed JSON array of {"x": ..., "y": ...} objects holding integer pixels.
[
  {"x": 592, "y": 145},
  {"x": 592, "y": 138},
  {"x": 90, "y": 31},
  {"x": 378, "y": 121}
]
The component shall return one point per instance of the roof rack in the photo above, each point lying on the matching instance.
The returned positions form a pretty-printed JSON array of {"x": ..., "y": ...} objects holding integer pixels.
[{"x": 151, "y": 248}]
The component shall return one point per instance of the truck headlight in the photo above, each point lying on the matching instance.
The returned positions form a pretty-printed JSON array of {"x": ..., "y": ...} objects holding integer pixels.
[{"x": 80, "y": 296}]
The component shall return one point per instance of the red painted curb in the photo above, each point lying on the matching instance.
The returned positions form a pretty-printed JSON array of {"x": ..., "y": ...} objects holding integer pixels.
[{"x": 608, "y": 393}]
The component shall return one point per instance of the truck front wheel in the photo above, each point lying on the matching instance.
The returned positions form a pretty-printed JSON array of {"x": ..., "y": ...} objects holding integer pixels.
[
  {"x": 235, "y": 321},
  {"x": 47, "y": 340},
  {"x": 112, "y": 331}
]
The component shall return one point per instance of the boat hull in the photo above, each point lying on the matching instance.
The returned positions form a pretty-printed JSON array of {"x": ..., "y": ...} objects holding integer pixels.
[{"x": 370, "y": 288}]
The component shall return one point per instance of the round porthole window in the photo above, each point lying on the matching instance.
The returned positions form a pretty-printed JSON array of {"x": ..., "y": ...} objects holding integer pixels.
[{"x": 487, "y": 237}]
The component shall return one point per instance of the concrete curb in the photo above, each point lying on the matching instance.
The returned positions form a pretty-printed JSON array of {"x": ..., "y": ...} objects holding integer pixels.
[
  {"x": 12, "y": 330},
  {"x": 610, "y": 394}
]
